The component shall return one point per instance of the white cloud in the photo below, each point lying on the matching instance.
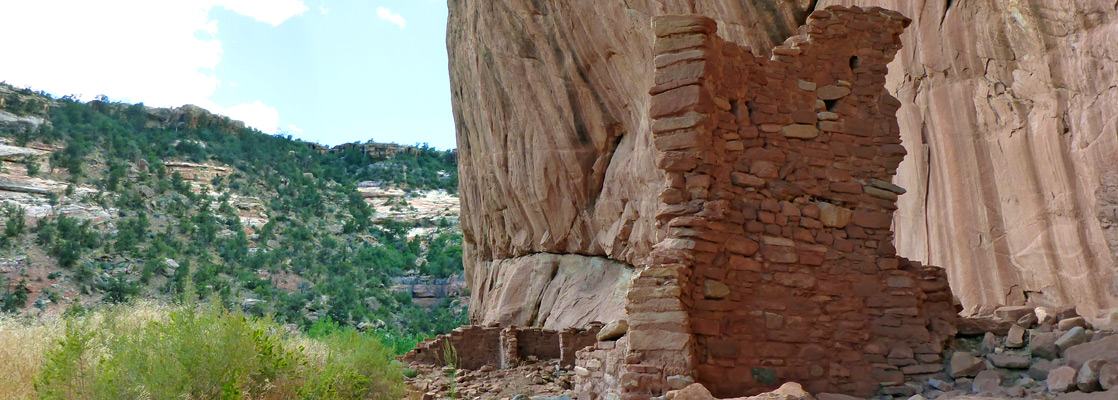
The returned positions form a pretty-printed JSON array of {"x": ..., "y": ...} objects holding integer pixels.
[
  {"x": 256, "y": 114},
  {"x": 268, "y": 11},
  {"x": 387, "y": 15},
  {"x": 323, "y": 10},
  {"x": 162, "y": 53},
  {"x": 294, "y": 129}
]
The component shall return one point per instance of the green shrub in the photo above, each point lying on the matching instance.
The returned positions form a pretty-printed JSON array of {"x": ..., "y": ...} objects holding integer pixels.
[
  {"x": 353, "y": 366},
  {"x": 210, "y": 353}
]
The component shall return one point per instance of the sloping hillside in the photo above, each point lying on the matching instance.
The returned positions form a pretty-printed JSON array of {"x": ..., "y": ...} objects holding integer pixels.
[{"x": 105, "y": 202}]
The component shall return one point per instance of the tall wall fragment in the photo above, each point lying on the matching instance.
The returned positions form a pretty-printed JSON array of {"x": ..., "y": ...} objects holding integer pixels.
[{"x": 778, "y": 262}]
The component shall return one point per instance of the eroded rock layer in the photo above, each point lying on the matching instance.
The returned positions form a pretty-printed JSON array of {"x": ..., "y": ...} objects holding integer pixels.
[
  {"x": 551, "y": 105},
  {"x": 1009, "y": 110},
  {"x": 552, "y": 291}
]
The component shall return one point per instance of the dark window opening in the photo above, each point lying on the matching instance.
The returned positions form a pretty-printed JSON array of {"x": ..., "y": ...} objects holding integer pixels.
[
  {"x": 749, "y": 107},
  {"x": 830, "y": 104},
  {"x": 854, "y": 63}
]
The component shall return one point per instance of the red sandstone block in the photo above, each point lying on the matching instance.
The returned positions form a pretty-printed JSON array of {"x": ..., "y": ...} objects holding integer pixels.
[
  {"x": 855, "y": 232},
  {"x": 810, "y": 257},
  {"x": 873, "y": 220},
  {"x": 680, "y": 100},
  {"x": 846, "y": 187},
  {"x": 673, "y": 85},
  {"x": 676, "y": 123},
  {"x": 705, "y": 257},
  {"x": 795, "y": 280},
  {"x": 741, "y": 245},
  {"x": 664, "y": 60},
  {"x": 804, "y": 235},
  {"x": 893, "y": 150},
  {"x": 746, "y": 180},
  {"x": 658, "y": 340},
  {"x": 805, "y": 117},
  {"x": 744, "y": 264},
  {"x": 681, "y": 42},
  {"x": 682, "y": 139},
  {"x": 779, "y": 254},
  {"x": 682, "y": 71},
  {"x": 656, "y": 305},
  {"x": 676, "y": 161},
  {"x": 673, "y": 196},
  {"x": 813, "y": 224},
  {"x": 887, "y": 263}
]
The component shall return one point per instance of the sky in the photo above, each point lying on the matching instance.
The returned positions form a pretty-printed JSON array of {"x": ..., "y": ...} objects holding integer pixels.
[{"x": 325, "y": 71}]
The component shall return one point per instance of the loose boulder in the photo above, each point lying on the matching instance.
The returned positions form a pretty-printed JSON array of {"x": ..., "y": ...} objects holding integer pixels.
[
  {"x": 964, "y": 364},
  {"x": 1087, "y": 380},
  {"x": 613, "y": 330},
  {"x": 1108, "y": 376},
  {"x": 1103, "y": 349},
  {"x": 987, "y": 382},
  {"x": 1073, "y": 337},
  {"x": 1061, "y": 380}
]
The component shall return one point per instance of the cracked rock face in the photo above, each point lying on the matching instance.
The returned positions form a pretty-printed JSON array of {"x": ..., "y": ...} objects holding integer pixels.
[{"x": 1009, "y": 114}]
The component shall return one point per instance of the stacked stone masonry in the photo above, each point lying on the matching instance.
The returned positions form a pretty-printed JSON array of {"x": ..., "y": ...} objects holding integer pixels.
[
  {"x": 778, "y": 263},
  {"x": 502, "y": 347}
]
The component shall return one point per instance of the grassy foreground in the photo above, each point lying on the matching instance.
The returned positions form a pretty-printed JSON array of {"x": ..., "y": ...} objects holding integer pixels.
[{"x": 151, "y": 351}]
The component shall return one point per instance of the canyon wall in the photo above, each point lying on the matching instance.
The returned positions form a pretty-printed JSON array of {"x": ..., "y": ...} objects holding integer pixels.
[
  {"x": 551, "y": 106},
  {"x": 1008, "y": 110}
]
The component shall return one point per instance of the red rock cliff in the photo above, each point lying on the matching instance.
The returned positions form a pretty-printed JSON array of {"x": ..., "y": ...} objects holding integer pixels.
[
  {"x": 1008, "y": 114},
  {"x": 551, "y": 103}
]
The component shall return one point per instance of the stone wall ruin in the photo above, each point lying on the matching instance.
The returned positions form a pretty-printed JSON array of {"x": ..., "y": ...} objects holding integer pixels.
[
  {"x": 501, "y": 347},
  {"x": 778, "y": 261}
]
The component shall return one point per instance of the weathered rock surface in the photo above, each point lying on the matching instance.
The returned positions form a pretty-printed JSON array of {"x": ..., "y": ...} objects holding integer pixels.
[
  {"x": 552, "y": 114},
  {"x": 788, "y": 391},
  {"x": 1087, "y": 380},
  {"x": 1061, "y": 379},
  {"x": 1007, "y": 113},
  {"x": 396, "y": 204},
  {"x": 1103, "y": 349},
  {"x": 613, "y": 330},
  {"x": 987, "y": 382},
  {"x": 965, "y": 365},
  {"x": 549, "y": 290}
]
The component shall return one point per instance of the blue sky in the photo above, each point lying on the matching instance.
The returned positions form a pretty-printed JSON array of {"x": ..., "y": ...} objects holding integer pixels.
[{"x": 326, "y": 71}]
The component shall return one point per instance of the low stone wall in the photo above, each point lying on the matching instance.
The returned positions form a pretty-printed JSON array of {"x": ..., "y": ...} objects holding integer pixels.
[
  {"x": 475, "y": 347},
  {"x": 502, "y": 347}
]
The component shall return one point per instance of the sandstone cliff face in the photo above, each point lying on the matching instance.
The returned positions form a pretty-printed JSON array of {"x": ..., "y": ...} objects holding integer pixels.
[
  {"x": 551, "y": 103},
  {"x": 1010, "y": 116},
  {"x": 1008, "y": 113}
]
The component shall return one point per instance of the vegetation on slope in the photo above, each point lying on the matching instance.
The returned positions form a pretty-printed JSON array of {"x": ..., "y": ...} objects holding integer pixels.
[{"x": 171, "y": 237}]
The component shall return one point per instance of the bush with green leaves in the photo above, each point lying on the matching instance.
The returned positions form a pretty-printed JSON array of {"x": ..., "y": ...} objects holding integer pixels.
[{"x": 210, "y": 353}]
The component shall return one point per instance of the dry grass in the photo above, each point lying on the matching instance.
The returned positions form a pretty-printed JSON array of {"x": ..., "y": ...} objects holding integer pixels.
[
  {"x": 22, "y": 347},
  {"x": 24, "y": 344}
]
